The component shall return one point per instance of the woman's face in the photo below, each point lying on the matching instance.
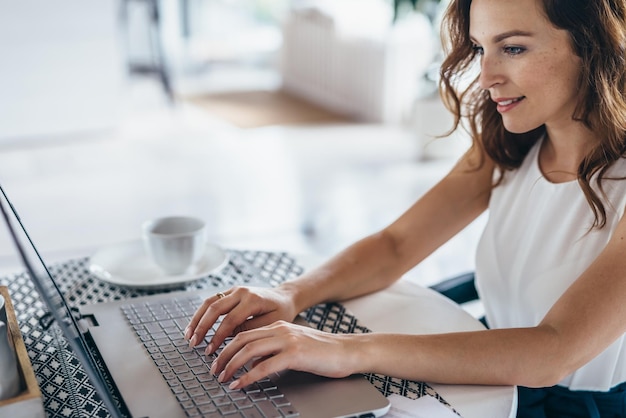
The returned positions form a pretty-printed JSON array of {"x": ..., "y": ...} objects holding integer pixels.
[{"x": 527, "y": 65}]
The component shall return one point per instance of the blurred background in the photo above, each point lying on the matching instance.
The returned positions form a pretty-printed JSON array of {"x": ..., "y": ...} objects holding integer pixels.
[{"x": 287, "y": 125}]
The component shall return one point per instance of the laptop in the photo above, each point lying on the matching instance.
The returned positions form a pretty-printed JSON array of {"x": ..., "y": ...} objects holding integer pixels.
[{"x": 136, "y": 358}]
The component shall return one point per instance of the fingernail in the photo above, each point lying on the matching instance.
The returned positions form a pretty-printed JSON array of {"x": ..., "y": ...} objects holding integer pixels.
[
  {"x": 213, "y": 367},
  {"x": 209, "y": 349},
  {"x": 220, "y": 378},
  {"x": 187, "y": 333},
  {"x": 193, "y": 341},
  {"x": 234, "y": 384}
]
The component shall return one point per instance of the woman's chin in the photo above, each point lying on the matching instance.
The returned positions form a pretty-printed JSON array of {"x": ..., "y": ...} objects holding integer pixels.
[{"x": 520, "y": 128}]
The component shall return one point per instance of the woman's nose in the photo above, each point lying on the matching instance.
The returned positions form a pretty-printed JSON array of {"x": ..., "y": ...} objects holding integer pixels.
[{"x": 490, "y": 72}]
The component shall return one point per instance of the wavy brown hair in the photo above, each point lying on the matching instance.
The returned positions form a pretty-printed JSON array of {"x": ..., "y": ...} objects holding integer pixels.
[{"x": 597, "y": 31}]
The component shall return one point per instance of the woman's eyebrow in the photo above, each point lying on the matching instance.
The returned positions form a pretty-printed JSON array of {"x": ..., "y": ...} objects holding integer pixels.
[{"x": 504, "y": 35}]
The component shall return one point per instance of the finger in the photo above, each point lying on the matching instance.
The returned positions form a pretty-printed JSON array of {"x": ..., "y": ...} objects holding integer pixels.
[
  {"x": 250, "y": 312},
  {"x": 259, "y": 321},
  {"x": 197, "y": 316},
  {"x": 260, "y": 370},
  {"x": 212, "y": 309},
  {"x": 263, "y": 345},
  {"x": 234, "y": 320},
  {"x": 255, "y": 343},
  {"x": 195, "y": 319},
  {"x": 235, "y": 345}
]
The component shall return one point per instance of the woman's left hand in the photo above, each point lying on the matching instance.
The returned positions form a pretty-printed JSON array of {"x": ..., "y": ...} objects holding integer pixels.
[{"x": 283, "y": 345}]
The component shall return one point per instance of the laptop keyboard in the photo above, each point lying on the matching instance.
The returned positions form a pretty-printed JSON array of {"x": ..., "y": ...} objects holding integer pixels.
[{"x": 160, "y": 326}]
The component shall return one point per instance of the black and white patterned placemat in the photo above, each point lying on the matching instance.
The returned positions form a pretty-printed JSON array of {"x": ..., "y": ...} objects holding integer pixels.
[
  {"x": 65, "y": 387},
  {"x": 333, "y": 317}
]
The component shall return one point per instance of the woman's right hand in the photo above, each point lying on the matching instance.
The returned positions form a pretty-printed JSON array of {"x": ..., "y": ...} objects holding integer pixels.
[{"x": 244, "y": 308}]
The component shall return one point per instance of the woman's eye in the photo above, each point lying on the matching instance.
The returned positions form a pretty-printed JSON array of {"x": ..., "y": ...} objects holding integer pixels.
[
  {"x": 477, "y": 49},
  {"x": 513, "y": 50}
]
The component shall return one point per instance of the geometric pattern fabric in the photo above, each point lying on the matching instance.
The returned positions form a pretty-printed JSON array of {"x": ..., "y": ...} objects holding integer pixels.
[{"x": 65, "y": 387}]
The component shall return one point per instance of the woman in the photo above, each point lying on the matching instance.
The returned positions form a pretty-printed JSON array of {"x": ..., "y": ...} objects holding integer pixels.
[{"x": 548, "y": 119}]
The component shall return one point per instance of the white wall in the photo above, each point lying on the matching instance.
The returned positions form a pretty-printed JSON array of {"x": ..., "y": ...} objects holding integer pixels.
[{"x": 61, "y": 67}]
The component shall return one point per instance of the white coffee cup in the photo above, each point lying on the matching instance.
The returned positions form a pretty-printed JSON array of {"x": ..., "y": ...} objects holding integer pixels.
[{"x": 174, "y": 243}]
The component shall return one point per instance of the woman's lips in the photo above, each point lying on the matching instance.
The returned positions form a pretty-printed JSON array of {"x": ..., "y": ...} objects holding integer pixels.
[{"x": 505, "y": 105}]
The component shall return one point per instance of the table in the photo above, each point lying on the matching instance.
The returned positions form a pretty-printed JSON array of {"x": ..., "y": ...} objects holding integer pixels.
[
  {"x": 67, "y": 391},
  {"x": 407, "y": 308},
  {"x": 419, "y": 310}
]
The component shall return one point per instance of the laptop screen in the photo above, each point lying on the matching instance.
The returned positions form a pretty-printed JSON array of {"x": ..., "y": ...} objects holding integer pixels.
[{"x": 59, "y": 310}]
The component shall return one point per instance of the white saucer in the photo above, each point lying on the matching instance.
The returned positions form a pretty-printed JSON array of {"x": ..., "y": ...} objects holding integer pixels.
[{"x": 127, "y": 264}]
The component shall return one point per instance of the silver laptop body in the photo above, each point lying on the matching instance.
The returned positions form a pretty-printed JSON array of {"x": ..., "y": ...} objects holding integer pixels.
[{"x": 121, "y": 364}]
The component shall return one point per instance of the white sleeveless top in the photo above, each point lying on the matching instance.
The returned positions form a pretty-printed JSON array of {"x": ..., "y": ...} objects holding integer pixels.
[{"x": 535, "y": 245}]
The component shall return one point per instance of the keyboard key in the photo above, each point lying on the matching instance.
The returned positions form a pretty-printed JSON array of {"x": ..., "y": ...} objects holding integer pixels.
[
  {"x": 191, "y": 384},
  {"x": 152, "y": 327},
  {"x": 228, "y": 409},
  {"x": 273, "y": 393},
  {"x": 289, "y": 412},
  {"x": 195, "y": 392},
  {"x": 268, "y": 409},
  {"x": 162, "y": 342},
  {"x": 181, "y": 323},
  {"x": 159, "y": 335},
  {"x": 252, "y": 413},
  {"x": 188, "y": 404},
  {"x": 182, "y": 397},
  {"x": 257, "y": 396},
  {"x": 215, "y": 414},
  {"x": 169, "y": 375},
  {"x": 180, "y": 342},
  {"x": 202, "y": 368},
  {"x": 167, "y": 348},
  {"x": 192, "y": 412},
  {"x": 266, "y": 384},
  {"x": 207, "y": 409},
  {"x": 205, "y": 377},
  {"x": 281, "y": 401},
  {"x": 203, "y": 400},
  {"x": 172, "y": 332},
  {"x": 180, "y": 369},
  {"x": 244, "y": 403},
  {"x": 251, "y": 388},
  {"x": 184, "y": 348},
  {"x": 173, "y": 360},
  {"x": 210, "y": 385},
  {"x": 167, "y": 323},
  {"x": 185, "y": 376},
  {"x": 235, "y": 396},
  {"x": 216, "y": 393}
]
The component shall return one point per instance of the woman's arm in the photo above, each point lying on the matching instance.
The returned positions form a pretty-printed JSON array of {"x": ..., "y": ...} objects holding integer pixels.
[
  {"x": 378, "y": 260},
  {"x": 585, "y": 320},
  {"x": 366, "y": 266}
]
